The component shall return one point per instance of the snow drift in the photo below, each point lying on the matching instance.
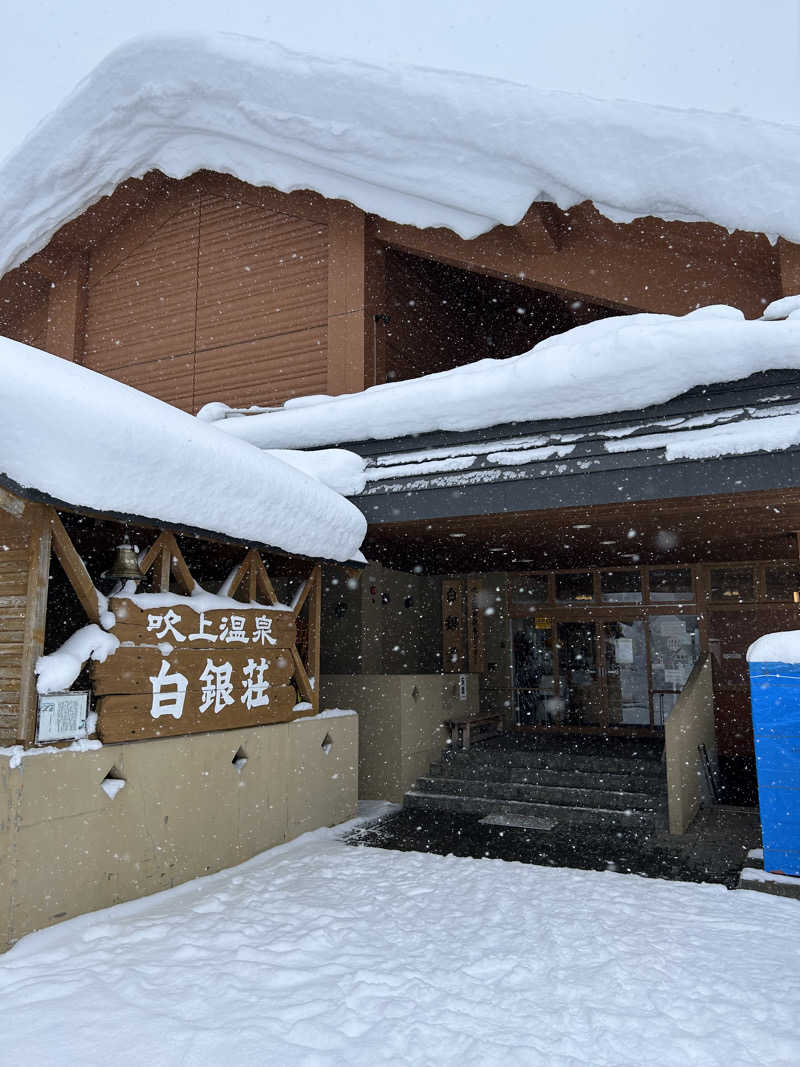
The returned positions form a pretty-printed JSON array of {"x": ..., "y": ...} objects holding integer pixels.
[
  {"x": 431, "y": 148},
  {"x": 89, "y": 441},
  {"x": 617, "y": 364}
]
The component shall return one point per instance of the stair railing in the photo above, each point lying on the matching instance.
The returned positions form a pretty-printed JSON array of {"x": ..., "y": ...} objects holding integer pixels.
[{"x": 689, "y": 726}]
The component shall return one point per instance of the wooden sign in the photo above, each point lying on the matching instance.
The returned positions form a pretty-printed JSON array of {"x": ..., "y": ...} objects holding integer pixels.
[{"x": 182, "y": 671}]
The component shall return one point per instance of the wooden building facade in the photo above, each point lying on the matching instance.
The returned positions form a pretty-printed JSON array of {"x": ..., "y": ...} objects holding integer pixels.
[{"x": 211, "y": 290}]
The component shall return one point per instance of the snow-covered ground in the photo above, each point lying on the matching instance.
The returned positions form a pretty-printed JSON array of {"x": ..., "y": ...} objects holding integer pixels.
[{"x": 319, "y": 954}]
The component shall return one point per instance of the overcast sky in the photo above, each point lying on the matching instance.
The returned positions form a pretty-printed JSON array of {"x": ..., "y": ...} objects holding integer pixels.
[{"x": 722, "y": 55}]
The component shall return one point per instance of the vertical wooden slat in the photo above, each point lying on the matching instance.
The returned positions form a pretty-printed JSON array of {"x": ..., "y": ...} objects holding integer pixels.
[
  {"x": 314, "y": 624},
  {"x": 35, "y": 614},
  {"x": 347, "y": 298},
  {"x": 164, "y": 570}
]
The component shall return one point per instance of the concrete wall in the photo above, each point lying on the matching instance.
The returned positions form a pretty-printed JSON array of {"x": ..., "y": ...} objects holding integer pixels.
[
  {"x": 689, "y": 724},
  {"x": 397, "y": 629},
  {"x": 185, "y": 810},
  {"x": 399, "y": 723}
]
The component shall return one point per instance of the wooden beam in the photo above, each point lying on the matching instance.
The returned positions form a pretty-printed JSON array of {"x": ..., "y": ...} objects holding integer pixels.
[
  {"x": 11, "y": 503},
  {"x": 639, "y": 266},
  {"x": 349, "y": 340},
  {"x": 300, "y": 597},
  {"x": 75, "y": 569},
  {"x": 66, "y": 312},
  {"x": 232, "y": 583},
  {"x": 307, "y": 691},
  {"x": 180, "y": 568},
  {"x": 35, "y": 617},
  {"x": 314, "y": 626},
  {"x": 263, "y": 580}
]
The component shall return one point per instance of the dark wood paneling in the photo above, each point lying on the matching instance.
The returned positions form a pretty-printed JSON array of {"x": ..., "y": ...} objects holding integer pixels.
[
  {"x": 264, "y": 371},
  {"x": 143, "y": 310},
  {"x": 261, "y": 274},
  {"x": 224, "y": 300}
]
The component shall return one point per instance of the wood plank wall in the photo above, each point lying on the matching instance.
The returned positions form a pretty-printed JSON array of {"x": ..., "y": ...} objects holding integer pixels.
[
  {"x": 14, "y": 538},
  {"x": 212, "y": 289},
  {"x": 24, "y": 565},
  {"x": 224, "y": 300}
]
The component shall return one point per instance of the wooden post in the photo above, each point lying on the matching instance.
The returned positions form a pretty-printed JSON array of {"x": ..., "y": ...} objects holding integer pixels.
[
  {"x": 314, "y": 624},
  {"x": 349, "y": 340},
  {"x": 66, "y": 311},
  {"x": 35, "y": 614},
  {"x": 789, "y": 264},
  {"x": 170, "y": 558}
]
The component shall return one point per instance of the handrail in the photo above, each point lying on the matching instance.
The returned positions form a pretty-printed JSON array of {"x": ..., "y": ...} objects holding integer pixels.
[{"x": 689, "y": 725}]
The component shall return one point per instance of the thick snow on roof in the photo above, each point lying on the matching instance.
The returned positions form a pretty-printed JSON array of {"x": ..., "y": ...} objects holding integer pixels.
[
  {"x": 716, "y": 55},
  {"x": 616, "y": 364},
  {"x": 89, "y": 441},
  {"x": 430, "y": 148}
]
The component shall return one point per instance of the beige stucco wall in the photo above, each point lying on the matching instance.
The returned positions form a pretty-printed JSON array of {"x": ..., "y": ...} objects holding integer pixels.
[
  {"x": 399, "y": 722},
  {"x": 689, "y": 724},
  {"x": 67, "y": 848}
]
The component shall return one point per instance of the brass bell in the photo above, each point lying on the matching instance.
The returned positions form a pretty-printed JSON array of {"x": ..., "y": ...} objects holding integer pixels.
[{"x": 125, "y": 567}]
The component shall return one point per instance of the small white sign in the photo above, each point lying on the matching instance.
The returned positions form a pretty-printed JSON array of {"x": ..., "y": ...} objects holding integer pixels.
[
  {"x": 62, "y": 717},
  {"x": 462, "y": 687}
]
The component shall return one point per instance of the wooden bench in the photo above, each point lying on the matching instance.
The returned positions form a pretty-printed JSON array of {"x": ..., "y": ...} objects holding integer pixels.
[{"x": 462, "y": 730}]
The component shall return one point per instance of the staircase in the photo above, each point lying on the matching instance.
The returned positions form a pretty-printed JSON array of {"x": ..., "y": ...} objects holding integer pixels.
[{"x": 607, "y": 782}]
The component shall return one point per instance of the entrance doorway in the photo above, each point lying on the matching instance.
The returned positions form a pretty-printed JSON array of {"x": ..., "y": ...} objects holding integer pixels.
[{"x": 615, "y": 673}]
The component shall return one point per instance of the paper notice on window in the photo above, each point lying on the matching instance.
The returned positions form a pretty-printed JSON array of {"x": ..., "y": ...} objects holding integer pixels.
[
  {"x": 675, "y": 677},
  {"x": 624, "y": 650}
]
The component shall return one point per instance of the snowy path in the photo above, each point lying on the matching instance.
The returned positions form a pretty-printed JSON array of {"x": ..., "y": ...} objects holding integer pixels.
[{"x": 321, "y": 954}]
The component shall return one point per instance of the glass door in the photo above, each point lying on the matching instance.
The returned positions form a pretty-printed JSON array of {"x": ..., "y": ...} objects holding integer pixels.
[
  {"x": 580, "y": 683},
  {"x": 535, "y": 703},
  {"x": 627, "y": 683}
]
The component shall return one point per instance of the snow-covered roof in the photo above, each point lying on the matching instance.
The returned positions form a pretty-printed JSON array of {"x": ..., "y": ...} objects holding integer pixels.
[
  {"x": 414, "y": 145},
  {"x": 616, "y": 364},
  {"x": 85, "y": 440},
  {"x": 626, "y": 447}
]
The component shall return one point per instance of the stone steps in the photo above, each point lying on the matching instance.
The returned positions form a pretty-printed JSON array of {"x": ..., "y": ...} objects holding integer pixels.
[
  {"x": 554, "y": 761},
  {"x": 561, "y": 795},
  {"x": 544, "y": 776},
  {"x": 616, "y": 786},
  {"x": 475, "y": 805}
]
